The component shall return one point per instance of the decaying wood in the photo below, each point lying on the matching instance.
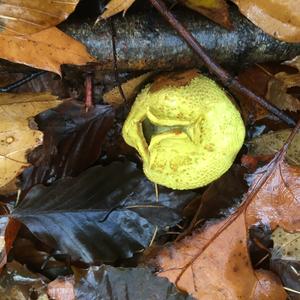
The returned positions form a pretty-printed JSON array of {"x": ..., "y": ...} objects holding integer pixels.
[{"x": 146, "y": 42}]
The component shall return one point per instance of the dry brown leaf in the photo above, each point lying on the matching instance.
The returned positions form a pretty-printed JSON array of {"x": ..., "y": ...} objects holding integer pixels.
[
  {"x": 175, "y": 79},
  {"x": 277, "y": 202},
  {"x": 23, "y": 17},
  {"x": 277, "y": 91},
  {"x": 214, "y": 263},
  {"x": 16, "y": 136},
  {"x": 216, "y": 10},
  {"x": 270, "y": 143},
  {"x": 130, "y": 89},
  {"x": 116, "y": 6},
  {"x": 295, "y": 62},
  {"x": 278, "y": 18},
  {"x": 45, "y": 50},
  {"x": 218, "y": 270}
]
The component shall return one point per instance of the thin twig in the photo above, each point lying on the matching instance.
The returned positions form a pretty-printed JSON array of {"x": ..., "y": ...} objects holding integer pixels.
[
  {"x": 227, "y": 80},
  {"x": 20, "y": 82}
]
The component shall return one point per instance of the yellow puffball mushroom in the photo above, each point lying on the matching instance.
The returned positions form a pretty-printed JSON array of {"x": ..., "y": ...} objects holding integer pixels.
[{"x": 196, "y": 131}]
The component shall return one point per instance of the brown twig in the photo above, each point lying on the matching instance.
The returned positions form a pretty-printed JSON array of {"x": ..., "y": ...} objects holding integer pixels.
[{"x": 228, "y": 81}]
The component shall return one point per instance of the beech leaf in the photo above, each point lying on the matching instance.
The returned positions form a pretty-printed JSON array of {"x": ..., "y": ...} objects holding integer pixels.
[
  {"x": 216, "y": 10},
  {"x": 281, "y": 19},
  {"x": 17, "y": 135},
  {"x": 47, "y": 50},
  {"x": 101, "y": 215},
  {"x": 23, "y": 17}
]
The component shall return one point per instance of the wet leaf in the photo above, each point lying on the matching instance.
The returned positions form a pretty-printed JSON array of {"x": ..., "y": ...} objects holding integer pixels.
[
  {"x": 23, "y": 17},
  {"x": 111, "y": 283},
  {"x": 116, "y": 6},
  {"x": 214, "y": 263},
  {"x": 17, "y": 135},
  {"x": 286, "y": 245},
  {"x": 105, "y": 213},
  {"x": 216, "y": 10},
  {"x": 277, "y": 91},
  {"x": 130, "y": 89},
  {"x": 270, "y": 143},
  {"x": 9, "y": 229},
  {"x": 280, "y": 19},
  {"x": 73, "y": 140},
  {"x": 288, "y": 271},
  {"x": 16, "y": 282},
  {"x": 46, "y": 50},
  {"x": 62, "y": 289},
  {"x": 217, "y": 270},
  {"x": 277, "y": 202}
]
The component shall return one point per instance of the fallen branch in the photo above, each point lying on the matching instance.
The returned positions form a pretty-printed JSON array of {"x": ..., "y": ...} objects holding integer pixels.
[
  {"x": 146, "y": 42},
  {"x": 228, "y": 80}
]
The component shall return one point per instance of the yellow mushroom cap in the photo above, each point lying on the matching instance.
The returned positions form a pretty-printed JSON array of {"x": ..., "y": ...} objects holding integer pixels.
[{"x": 198, "y": 132}]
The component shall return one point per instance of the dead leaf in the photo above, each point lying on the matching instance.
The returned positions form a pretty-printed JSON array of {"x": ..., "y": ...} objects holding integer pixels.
[
  {"x": 286, "y": 245},
  {"x": 116, "y": 6},
  {"x": 45, "y": 50},
  {"x": 16, "y": 136},
  {"x": 62, "y": 289},
  {"x": 216, "y": 10},
  {"x": 175, "y": 79},
  {"x": 223, "y": 269},
  {"x": 295, "y": 62},
  {"x": 130, "y": 89},
  {"x": 281, "y": 19},
  {"x": 277, "y": 202},
  {"x": 214, "y": 263},
  {"x": 23, "y": 17},
  {"x": 277, "y": 91},
  {"x": 270, "y": 143}
]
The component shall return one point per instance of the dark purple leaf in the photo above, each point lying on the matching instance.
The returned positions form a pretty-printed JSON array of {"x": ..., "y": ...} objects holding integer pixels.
[
  {"x": 105, "y": 213},
  {"x": 72, "y": 142},
  {"x": 111, "y": 283}
]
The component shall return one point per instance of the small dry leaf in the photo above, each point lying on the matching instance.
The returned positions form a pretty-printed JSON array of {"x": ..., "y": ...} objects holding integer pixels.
[
  {"x": 116, "y": 6},
  {"x": 216, "y": 10},
  {"x": 16, "y": 136},
  {"x": 130, "y": 89},
  {"x": 286, "y": 245},
  {"x": 175, "y": 79},
  {"x": 277, "y": 91},
  {"x": 295, "y": 62},
  {"x": 278, "y": 18},
  {"x": 270, "y": 143},
  {"x": 45, "y": 50},
  {"x": 23, "y": 17}
]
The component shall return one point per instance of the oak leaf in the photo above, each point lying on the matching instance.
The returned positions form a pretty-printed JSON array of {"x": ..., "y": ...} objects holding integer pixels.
[
  {"x": 17, "y": 135},
  {"x": 45, "y": 50}
]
